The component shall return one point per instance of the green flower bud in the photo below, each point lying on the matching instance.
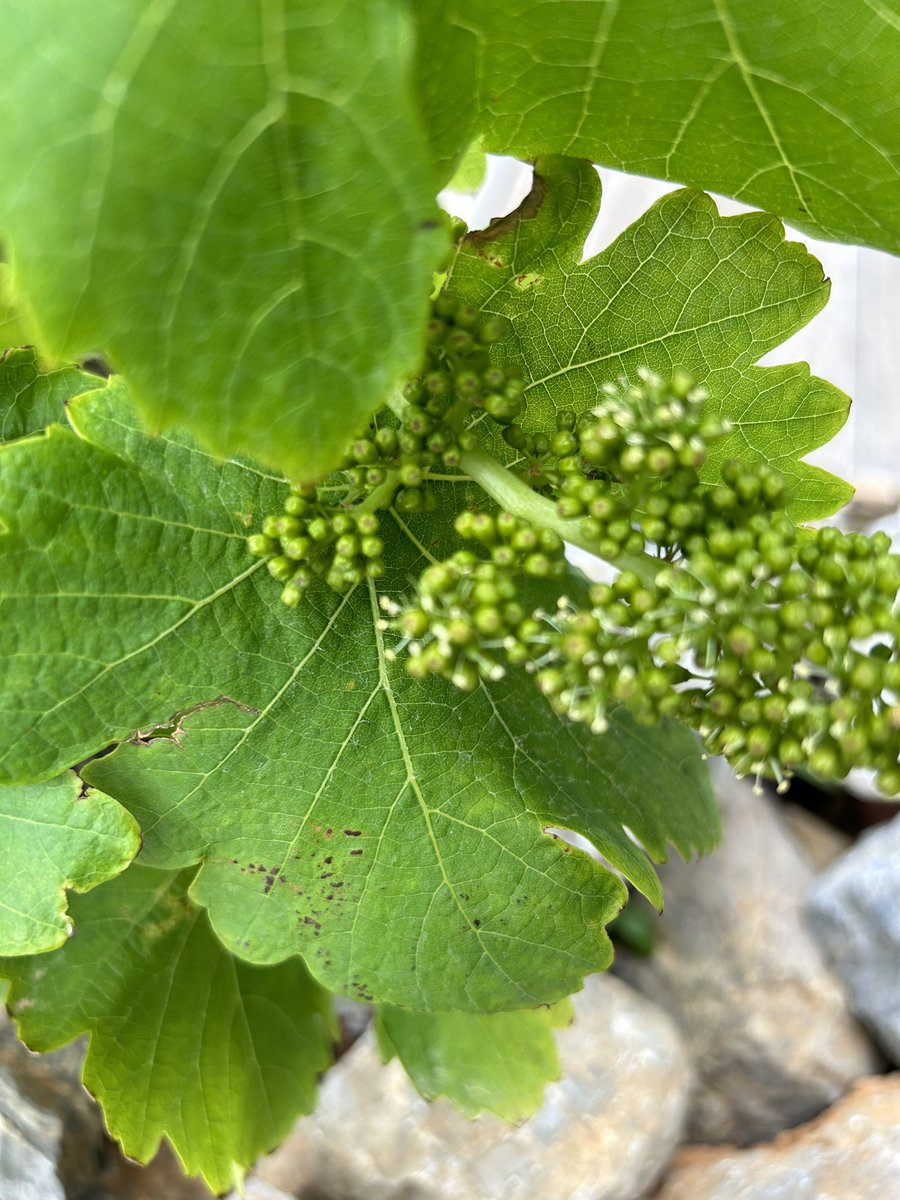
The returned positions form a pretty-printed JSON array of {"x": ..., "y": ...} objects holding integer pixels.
[
  {"x": 260, "y": 545},
  {"x": 296, "y": 506},
  {"x": 297, "y": 548},
  {"x": 281, "y": 568}
]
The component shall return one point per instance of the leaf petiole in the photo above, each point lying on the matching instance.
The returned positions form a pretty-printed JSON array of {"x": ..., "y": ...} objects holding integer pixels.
[{"x": 514, "y": 495}]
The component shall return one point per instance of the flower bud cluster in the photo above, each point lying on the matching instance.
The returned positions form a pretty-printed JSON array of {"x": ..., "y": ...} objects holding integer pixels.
[
  {"x": 778, "y": 645},
  {"x": 650, "y": 429},
  {"x": 459, "y": 380},
  {"x": 629, "y": 469},
  {"x": 312, "y": 539},
  {"x": 469, "y": 619},
  {"x": 331, "y": 531}
]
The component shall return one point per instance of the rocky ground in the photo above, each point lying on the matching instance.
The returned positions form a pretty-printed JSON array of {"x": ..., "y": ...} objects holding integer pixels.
[{"x": 754, "y": 1056}]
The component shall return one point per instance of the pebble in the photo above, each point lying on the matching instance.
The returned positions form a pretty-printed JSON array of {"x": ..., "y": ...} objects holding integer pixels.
[
  {"x": 854, "y": 910},
  {"x": 851, "y": 1152},
  {"x": 818, "y": 842},
  {"x": 30, "y": 1139},
  {"x": 765, "y": 1020},
  {"x": 606, "y": 1129},
  {"x": 50, "y": 1084}
]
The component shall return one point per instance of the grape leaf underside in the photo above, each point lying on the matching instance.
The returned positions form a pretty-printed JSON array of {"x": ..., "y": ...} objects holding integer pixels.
[
  {"x": 392, "y": 832},
  {"x": 186, "y": 1041},
  {"x": 681, "y": 288}
]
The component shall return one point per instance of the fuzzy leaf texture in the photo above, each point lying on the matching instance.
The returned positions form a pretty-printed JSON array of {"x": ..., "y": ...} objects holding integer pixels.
[
  {"x": 392, "y": 832},
  {"x": 498, "y": 1063},
  {"x": 790, "y": 106},
  {"x": 681, "y": 288},
  {"x": 186, "y": 1042},
  {"x": 249, "y": 227},
  {"x": 53, "y": 838}
]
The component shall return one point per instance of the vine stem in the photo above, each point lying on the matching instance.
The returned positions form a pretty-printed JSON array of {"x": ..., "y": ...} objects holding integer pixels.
[{"x": 514, "y": 495}]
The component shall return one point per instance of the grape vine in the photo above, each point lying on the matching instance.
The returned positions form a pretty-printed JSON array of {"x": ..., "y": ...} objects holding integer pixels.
[{"x": 777, "y": 644}]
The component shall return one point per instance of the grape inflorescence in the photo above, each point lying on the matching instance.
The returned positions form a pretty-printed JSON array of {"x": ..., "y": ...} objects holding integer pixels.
[
  {"x": 777, "y": 644},
  {"x": 330, "y": 531},
  {"x": 469, "y": 619}
]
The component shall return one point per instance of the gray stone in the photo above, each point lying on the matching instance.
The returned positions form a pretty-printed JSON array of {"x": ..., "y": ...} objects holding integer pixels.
[
  {"x": 354, "y": 1019},
  {"x": 161, "y": 1179},
  {"x": 258, "y": 1189},
  {"x": 52, "y": 1083},
  {"x": 818, "y": 842},
  {"x": 852, "y": 1152},
  {"x": 605, "y": 1131},
  {"x": 29, "y": 1147},
  {"x": 765, "y": 1020},
  {"x": 854, "y": 908}
]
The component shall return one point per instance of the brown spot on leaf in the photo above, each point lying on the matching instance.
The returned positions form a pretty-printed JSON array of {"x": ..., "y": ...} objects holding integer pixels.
[
  {"x": 527, "y": 210},
  {"x": 173, "y": 729}
]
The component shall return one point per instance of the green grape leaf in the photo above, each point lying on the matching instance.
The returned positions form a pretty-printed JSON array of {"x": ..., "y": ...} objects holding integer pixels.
[
  {"x": 392, "y": 832},
  {"x": 32, "y": 398},
  {"x": 186, "y": 1042},
  {"x": 681, "y": 288},
  {"x": 52, "y": 838},
  {"x": 497, "y": 1062},
  {"x": 470, "y": 174},
  {"x": 248, "y": 227},
  {"x": 789, "y": 106}
]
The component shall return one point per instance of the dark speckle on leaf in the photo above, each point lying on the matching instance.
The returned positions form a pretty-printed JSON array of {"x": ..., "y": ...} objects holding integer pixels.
[
  {"x": 353, "y": 832},
  {"x": 355, "y": 853}
]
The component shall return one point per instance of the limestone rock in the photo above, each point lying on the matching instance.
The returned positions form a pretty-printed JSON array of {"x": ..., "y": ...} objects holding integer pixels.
[
  {"x": 354, "y": 1019},
  {"x": 854, "y": 908},
  {"x": 605, "y": 1132},
  {"x": 30, "y": 1139},
  {"x": 765, "y": 1020},
  {"x": 161, "y": 1179},
  {"x": 819, "y": 843},
  {"x": 51, "y": 1083},
  {"x": 258, "y": 1189},
  {"x": 851, "y": 1152}
]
